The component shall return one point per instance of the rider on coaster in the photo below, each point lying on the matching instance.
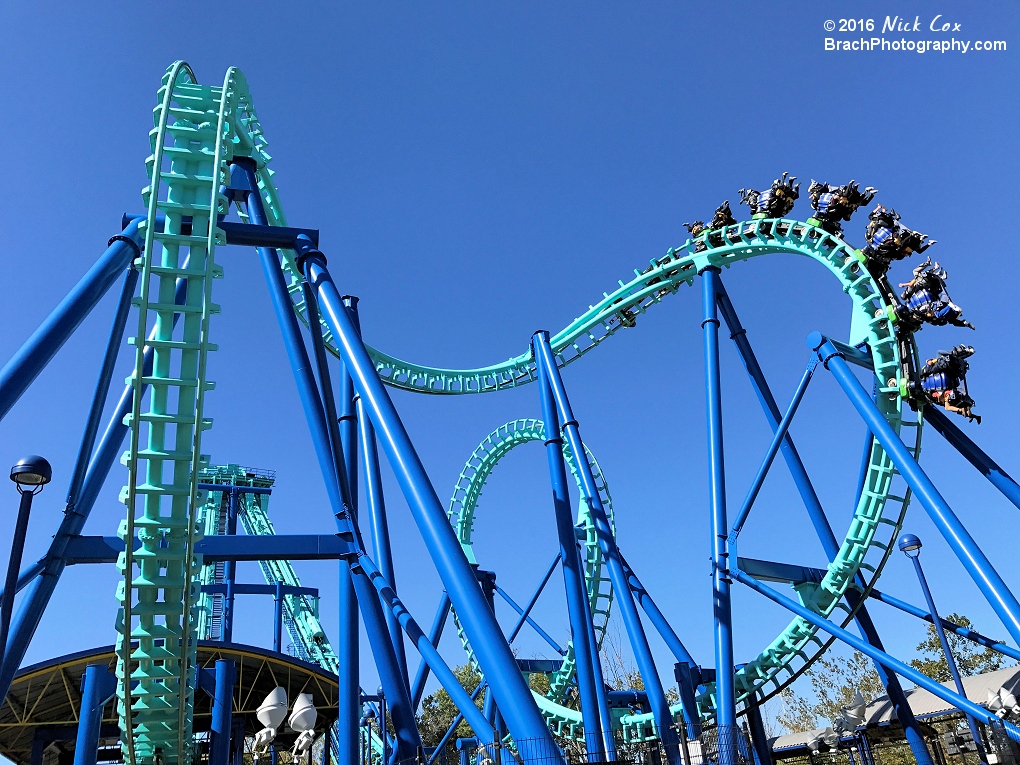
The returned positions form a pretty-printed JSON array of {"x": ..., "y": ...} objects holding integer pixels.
[
  {"x": 723, "y": 217},
  {"x": 775, "y": 202},
  {"x": 925, "y": 299},
  {"x": 835, "y": 203},
  {"x": 889, "y": 241},
  {"x": 944, "y": 381}
]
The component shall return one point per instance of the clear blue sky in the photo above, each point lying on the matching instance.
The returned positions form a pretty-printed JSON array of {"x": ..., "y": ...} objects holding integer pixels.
[{"x": 479, "y": 171}]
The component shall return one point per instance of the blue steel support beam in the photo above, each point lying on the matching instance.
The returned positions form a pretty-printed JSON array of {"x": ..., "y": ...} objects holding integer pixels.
[
  {"x": 573, "y": 572},
  {"x": 607, "y": 542},
  {"x": 435, "y": 634},
  {"x": 816, "y": 513},
  {"x": 230, "y": 570},
  {"x": 379, "y": 525},
  {"x": 98, "y": 686},
  {"x": 438, "y": 751},
  {"x": 950, "y": 660},
  {"x": 656, "y": 617},
  {"x": 278, "y": 620},
  {"x": 889, "y": 662},
  {"x": 959, "y": 440},
  {"x": 494, "y": 656},
  {"x": 26, "y": 364},
  {"x": 262, "y": 589},
  {"x": 442, "y": 671},
  {"x": 726, "y": 716},
  {"x": 605, "y": 716},
  {"x": 525, "y": 614},
  {"x": 780, "y": 435},
  {"x": 967, "y": 634},
  {"x": 535, "y": 625},
  {"x": 222, "y": 713},
  {"x": 73, "y": 521},
  {"x": 80, "y": 550},
  {"x": 960, "y": 541},
  {"x": 88, "y": 439},
  {"x": 348, "y": 639},
  {"x": 328, "y": 450}
]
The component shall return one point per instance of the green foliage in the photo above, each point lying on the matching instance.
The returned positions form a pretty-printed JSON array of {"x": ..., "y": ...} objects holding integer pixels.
[
  {"x": 834, "y": 679},
  {"x": 438, "y": 710},
  {"x": 971, "y": 659}
]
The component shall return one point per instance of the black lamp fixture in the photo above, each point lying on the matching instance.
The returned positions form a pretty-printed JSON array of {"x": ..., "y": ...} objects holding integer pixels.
[{"x": 31, "y": 471}]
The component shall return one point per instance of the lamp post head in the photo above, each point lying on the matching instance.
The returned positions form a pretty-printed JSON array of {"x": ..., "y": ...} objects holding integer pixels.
[
  {"x": 31, "y": 471},
  {"x": 910, "y": 545}
]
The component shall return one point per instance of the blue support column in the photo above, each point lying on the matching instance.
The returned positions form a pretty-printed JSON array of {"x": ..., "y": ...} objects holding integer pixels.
[
  {"x": 950, "y": 660},
  {"x": 725, "y": 703},
  {"x": 435, "y": 634},
  {"x": 230, "y": 571},
  {"x": 98, "y": 686},
  {"x": 823, "y": 530},
  {"x": 222, "y": 713},
  {"x": 25, "y": 365},
  {"x": 379, "y": 525},
  {"x": 376, "y": 503},
  {"x": 607, "y": 543},
  {"x": 598, "y": 742},
  {"x": 959, "y": 440},
  {"x": 759, "y": 739},
  {"x": 348, "y": 648},
  {"x": 329, "y": 454},
  {"x": 113, "y": 345},
  {"x": 989, "y": 582},
  {"x": 601, "y": 693},
  {"x": 494, "y": 656},
  {"x": 278, "y": 618}
]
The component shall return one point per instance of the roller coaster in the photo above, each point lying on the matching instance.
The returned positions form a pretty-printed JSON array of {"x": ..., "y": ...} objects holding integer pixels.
[{"x": 178, "y": 546}]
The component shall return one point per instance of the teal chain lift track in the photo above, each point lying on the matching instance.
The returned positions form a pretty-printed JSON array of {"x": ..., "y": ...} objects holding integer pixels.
[{"x": 198, "y": 131}]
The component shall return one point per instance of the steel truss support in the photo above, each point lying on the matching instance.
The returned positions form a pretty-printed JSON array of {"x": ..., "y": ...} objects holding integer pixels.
[
  {"x": 911, "y": 728},
  {"x": 328, "y": 448},
  {"x": 588, "y": 666},
  {"x": 494, "y": 655},
  {"x": 889, "y": 662},
  {"x": 607, "y": 542},
  {"x": 989, "y": 582},
  {"x": 25, "y": 365},
  {"x": 959, "y": 440}
]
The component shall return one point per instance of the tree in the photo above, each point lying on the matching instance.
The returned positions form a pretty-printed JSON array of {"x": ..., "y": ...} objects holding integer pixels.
[
  {"x": 971, "y": 659},
  {"x": 438, "y": 710},
  {"x": 834, "y": 680}
]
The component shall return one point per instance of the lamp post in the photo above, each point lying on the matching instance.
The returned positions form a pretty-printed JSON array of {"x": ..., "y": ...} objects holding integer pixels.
[
  {"x": 910, "y": 546},
  {"x": 29, "y": 475}
]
